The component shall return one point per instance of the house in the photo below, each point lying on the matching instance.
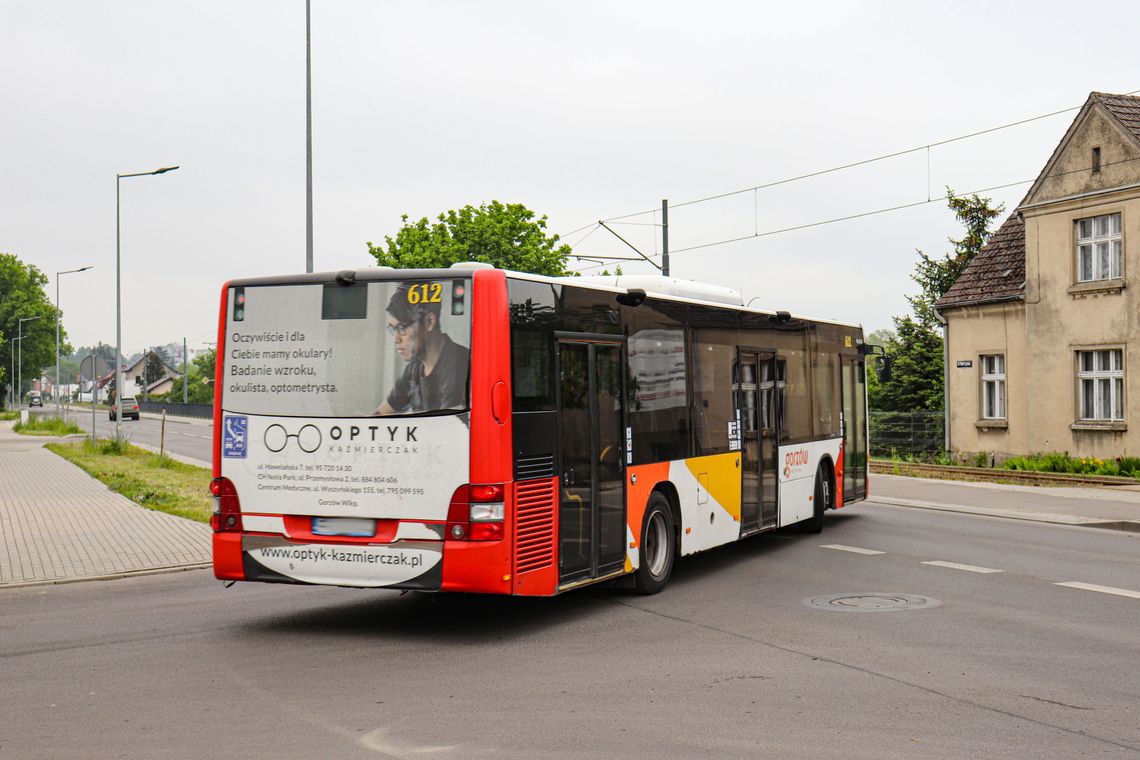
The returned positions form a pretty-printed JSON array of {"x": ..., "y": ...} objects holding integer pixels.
[{"x": 1043, "y": 326}]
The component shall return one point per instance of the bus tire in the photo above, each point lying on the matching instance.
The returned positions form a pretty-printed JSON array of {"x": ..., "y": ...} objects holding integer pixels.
[
  {"x": 820, "y": 502},
  {"x": 658, "y": 546}
]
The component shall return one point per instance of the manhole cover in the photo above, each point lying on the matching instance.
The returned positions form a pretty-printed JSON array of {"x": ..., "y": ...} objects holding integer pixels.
[{"x": 872, "y": 602}]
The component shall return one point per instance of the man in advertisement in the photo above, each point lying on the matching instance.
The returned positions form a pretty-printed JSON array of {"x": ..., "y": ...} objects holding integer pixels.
[{"x": 435, "y": 377}]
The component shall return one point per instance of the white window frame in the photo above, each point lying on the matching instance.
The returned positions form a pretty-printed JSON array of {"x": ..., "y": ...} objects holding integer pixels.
[
  {"x": 1100, "y": 385},
  {"x": 993, "y": 386},
  {"x": 1100, "y": 248}
]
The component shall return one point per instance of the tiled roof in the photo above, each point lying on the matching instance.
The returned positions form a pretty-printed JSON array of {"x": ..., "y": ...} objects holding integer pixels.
[
  {"x": 997, "y": 273},
  {"x": 1125, "y": 108}
]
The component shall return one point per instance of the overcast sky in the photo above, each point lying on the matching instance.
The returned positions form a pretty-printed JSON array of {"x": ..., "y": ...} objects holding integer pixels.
[{"x": 581, "y": 111}]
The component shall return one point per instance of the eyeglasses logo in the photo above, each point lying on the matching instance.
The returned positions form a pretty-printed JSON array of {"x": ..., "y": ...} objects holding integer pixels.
[{"x": 276, "y": 438}]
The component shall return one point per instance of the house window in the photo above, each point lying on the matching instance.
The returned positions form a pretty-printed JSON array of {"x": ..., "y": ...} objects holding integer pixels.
[
  {"x": 1099, "y": 248},
  {"x": 1096, "y": 161},
  {"x": 993, "y": 387},
  {"x": 1100, "y": 377}
]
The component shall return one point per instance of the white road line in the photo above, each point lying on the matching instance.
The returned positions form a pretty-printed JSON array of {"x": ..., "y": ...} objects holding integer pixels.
[
  {"x": 1101, "y": 589},
  {"x": 956, "y": 566},
  {"x": 852, "y": 549}
]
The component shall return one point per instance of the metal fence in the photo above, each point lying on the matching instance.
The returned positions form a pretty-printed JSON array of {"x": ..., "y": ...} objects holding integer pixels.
[
  {"x": 205, "y": 411},
  {"x": 902, "y": 433}
]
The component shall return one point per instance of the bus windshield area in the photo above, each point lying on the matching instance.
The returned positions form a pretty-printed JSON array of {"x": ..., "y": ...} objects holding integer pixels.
[{"x": 390, "y": 348}]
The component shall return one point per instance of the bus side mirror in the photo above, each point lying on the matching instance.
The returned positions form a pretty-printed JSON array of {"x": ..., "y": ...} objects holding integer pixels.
[
  {"x": 883, "y": 368},
  {"x": 632, "y": 297}
]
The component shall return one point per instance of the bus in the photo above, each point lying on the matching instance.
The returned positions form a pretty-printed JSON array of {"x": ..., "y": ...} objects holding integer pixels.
[{"x": 480, "y": 430}]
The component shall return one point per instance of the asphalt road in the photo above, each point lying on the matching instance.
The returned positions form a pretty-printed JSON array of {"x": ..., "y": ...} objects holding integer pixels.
[
  {"x": 188, "y": 438},
  {"x": 728, "y": 662}
]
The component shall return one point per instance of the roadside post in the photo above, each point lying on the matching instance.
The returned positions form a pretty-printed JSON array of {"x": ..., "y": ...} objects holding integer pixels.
[
  {"x": 162, "y": 435},
  {"x": 92, "y": 368}
]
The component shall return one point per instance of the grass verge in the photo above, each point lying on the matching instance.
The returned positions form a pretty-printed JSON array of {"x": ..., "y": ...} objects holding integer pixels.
[
  {"x": 39, "y": 425},
  {"x": 9, "y": 414},
  {"x": 152, "y": 481}
]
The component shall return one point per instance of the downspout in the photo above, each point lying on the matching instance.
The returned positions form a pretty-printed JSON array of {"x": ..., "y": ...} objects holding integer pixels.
[{"x": 945, "y": 378}]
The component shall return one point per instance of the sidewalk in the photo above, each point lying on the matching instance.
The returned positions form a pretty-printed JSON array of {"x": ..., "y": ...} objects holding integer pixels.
[
  {"x": 58, "y": 524},
  {"x": 1116, "y": 508}
]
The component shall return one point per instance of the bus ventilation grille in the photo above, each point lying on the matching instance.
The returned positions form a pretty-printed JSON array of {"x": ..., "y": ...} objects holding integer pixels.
[
  {"x": 540, "y": 466},
  {"x": 534, "y": 531}
]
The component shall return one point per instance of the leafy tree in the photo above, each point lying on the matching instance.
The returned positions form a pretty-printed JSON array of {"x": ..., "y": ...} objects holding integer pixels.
[
  {"x": 202, "y": 368},
  {"x": 22, "y": 295},
  {"x": 915, "y": 356},
  {"x": 505, "y": 235},
  {"x": 154, "y": 369},
  {"x": 100, "y": 349}
]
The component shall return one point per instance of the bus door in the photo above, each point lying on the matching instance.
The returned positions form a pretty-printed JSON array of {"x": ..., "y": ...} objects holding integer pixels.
[
  {"x": 758, "y": 416},
  {"x": 854, "y": 429},
  {"x": 591, "y": 516}
]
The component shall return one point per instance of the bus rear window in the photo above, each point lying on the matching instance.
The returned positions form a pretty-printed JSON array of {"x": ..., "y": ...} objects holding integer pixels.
[{"x": 366, "y": 349}]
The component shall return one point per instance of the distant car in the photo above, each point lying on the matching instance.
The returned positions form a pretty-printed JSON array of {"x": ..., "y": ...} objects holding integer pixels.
[
  {"x": 130, "y": 409},
  {"x": 35, "y": 399}
]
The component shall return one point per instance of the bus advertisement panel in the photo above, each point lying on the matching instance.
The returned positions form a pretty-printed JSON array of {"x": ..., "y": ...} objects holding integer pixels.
[{"x": 343, "y": 409}]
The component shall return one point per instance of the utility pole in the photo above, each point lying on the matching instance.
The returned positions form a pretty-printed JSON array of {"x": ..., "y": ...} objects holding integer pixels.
[
  {"x": 308, "y": 146},
  {"x": 665, "y": 236},
  {"x": 185, "y": 373}
]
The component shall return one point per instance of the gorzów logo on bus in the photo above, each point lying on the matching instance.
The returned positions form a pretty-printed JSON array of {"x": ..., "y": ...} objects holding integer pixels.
[{"x": 794, "y": 461}]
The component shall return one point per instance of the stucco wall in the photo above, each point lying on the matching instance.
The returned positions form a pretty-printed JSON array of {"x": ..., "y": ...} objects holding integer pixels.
[
  {"x": 1063, "y": 316},
  {"x": 973, "y": 332}
]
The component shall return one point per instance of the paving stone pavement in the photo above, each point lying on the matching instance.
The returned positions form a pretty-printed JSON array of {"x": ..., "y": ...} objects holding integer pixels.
[{"x": 59, "y": 524}]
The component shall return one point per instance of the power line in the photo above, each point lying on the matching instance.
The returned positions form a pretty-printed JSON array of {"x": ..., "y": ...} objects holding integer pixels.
[
  {"x": 875, "y": 212},
  {"x": 854, "y": 164}
]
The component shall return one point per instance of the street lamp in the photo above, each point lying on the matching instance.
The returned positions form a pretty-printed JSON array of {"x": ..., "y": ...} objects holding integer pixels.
[
  {"x": 57, "y": 276},
  {"x": 20, "y": 371},
  {"x": 119, "y": 301}
]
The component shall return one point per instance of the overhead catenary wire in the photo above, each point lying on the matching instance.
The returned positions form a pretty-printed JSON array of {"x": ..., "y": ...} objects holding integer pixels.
[
  {"x": 886, "y": 210},
  {"x": 862, "y": 162}
]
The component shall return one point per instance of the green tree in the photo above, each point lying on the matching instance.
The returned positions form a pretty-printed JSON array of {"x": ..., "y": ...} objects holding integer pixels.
[
  {"x": 200, "y": 384},
  {"x": 22, "y": 295},
  {"x": 505, "y": 235},
  {"x": 154, "y": 369},
  {"x": 915, "y": 356}
]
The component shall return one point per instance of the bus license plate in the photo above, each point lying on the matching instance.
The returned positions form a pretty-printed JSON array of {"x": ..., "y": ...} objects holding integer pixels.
[{"x": 343, "y": 526}]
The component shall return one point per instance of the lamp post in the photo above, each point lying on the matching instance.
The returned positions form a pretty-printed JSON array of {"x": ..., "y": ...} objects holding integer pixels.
[
  {"x": 57, "y": 276},
  {"x": 119, "y": 299},
  {"x": 20, "y": 371}
]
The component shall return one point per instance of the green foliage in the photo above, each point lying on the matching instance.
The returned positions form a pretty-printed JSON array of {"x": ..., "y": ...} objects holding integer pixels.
[
  {"x": 41, "y": 425},
  {"x": 915, "y": 354},
  {"x": 981, "y": 459},
  {"x": 505, "y": 235},
  {"x": 198, "y": 392},
  {"x": 1056, "y": 461},
  {"x": 22, "y": 295}
]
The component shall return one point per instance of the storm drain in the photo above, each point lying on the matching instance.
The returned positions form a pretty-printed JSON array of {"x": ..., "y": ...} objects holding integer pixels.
[{"x": 872, "y": 602}]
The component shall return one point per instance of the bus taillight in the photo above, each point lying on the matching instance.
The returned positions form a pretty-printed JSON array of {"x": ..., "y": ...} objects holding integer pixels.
[
  {"x": 476, "y": 513},
  {"x": 227, "y": 507}
]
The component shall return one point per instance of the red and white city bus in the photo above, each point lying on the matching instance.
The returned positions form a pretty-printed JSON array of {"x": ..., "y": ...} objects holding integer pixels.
[{"x": 479, "y": 430}]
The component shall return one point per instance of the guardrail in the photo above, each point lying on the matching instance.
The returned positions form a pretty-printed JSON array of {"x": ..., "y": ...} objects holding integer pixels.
[{"x": 997, "y": 474}]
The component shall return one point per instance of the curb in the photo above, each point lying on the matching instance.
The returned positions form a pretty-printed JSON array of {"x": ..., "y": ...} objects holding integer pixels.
[
  {"x": 108, "y": 576},
  {"x": 1128, "y": 526}
]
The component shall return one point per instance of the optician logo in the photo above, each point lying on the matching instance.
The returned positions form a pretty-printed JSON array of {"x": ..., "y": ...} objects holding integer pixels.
[{"x": 308, "y": 438}]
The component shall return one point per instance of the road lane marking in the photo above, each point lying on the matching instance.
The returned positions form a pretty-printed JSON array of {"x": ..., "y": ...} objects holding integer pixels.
[
  {"x": 852, "y": 549},
  {"x": 956, "y": 566},
  {"x": 1101, "y": 589}
]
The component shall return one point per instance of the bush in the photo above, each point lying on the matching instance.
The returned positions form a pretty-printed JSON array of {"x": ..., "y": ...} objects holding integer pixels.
[{"x": 1055, "y": 461}]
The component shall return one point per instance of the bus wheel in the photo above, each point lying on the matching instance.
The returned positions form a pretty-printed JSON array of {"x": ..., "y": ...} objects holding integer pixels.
[
  {"x": 657, "y": 546},
  {"x": 820, "y": 502}
]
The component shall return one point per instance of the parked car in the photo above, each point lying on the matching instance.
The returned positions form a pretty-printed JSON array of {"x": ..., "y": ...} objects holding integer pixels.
[
  {"x": 35, "y": 399},
  {"x": 130, "y": 408}
]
